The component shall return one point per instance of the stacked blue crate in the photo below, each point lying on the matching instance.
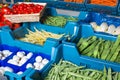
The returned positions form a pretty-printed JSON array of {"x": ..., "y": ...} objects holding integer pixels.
[{"x": 14, "y": 76}]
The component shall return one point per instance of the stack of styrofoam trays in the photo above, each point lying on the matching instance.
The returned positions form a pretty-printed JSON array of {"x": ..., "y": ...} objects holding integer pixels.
[
  {"x": 20, "y": 58},
  {"x": 4, "y": 54},
  {"x": 38, "y": 64},
  {"x": 111, "y": 29}
]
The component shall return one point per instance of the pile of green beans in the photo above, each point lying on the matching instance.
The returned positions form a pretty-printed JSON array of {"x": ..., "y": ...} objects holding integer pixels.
[
  {"x": 100, "y": 48},
  {"x": 65, "y": 70},
  {"x": 59, "y": 21}
]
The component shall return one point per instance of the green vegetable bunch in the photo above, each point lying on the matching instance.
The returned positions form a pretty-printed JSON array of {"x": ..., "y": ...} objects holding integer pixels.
[
  {"x": 65, "y": 70},
  {"x": 99, "y": 48},
  {"x": 59, "y": 21}
]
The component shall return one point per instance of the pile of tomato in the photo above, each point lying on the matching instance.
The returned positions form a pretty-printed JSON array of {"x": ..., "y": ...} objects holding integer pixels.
[
  {"x": 4, "y": 9},
  {"x": 26, "y": 8},
  {"x": 17, "y": 9}
]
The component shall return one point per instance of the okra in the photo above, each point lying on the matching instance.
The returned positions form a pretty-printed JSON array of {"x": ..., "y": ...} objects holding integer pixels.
[
  {"x": 96, "y": 50},
  {"x": 113, "y": 58},
  {"x": 80, "y": 42},
  {"x": 86, "y": 43},
  {"x": 115, "y": 45},
  {"x": 106, "y": 51},
  {"x": 90, "y": 47}
]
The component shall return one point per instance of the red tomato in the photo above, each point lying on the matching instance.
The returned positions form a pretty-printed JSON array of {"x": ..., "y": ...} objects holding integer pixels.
[
  {"x": 6, "y": 10},
  {"x": 2, "y": 24},
  {"x": 3, "y": 18},
  {"x": 7, "y": 22}
]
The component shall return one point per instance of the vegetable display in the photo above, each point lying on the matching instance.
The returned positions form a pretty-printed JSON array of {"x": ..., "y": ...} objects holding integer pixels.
[
  {"x": 39, "y": 37},
  {"x": 99, "y": 48},
  {"x": 77, "y": 1},
  {"x": 65, "y": 70},
  {"x": 104, "y": 2},
  {"x": 111, "y": 29},
  {"x": 59, "y": 21}
]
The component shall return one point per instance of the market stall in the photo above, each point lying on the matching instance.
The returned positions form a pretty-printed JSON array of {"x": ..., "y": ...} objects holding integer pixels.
[{"x": 60, "y": 40}]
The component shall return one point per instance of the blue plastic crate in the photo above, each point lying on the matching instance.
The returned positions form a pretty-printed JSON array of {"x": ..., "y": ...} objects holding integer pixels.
[
  {"x": 64, "y": 5},
  {"x": 71, "y": 28},
  {"x": 5, "y": 62},
  {"x": 15, "y": 76},
  {"x": 85, "y": 32},
  {"x": 36, "y": 74},
  {"x": 101, "y": 8},
  {"x": 10, "y": 40},
  {"x": 99, "y": 19}
]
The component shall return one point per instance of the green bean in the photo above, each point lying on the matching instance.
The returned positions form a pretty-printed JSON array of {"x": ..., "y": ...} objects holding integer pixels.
[
  {"x": 118, "y": 58},
  {"x": 92, "y": 74},
  {"x": 90, "y": 47},
  {"x": 116, "y": 76},
  {"x": 90, "y": 53},
  {"x": 106, "y": 51},
  {"x": 101, "y": 49},
  {"x": 72, "y": 18},
  {"x": 99, "y": 77},
  {"x": 87, "y": 42},
  {"x": 96, "y": 50},
  {"x": 104, "y": 74},
  {"x": 80, "y": 42},
  {"x": 113, "y": 58},
  {"x": 109, "y": 77},
  {"x": 82, "y": 76},
  {"x": 92, "y": 70},
  {"x": 57, "y": 20},
  {"x": 86, "y": 73},
  {"x": 115, "y": 45},
  {"x": 64, "y": 71}
]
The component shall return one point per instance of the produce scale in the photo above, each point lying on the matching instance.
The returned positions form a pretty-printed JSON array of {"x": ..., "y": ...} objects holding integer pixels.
[{"x": 59, "y": 39}]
